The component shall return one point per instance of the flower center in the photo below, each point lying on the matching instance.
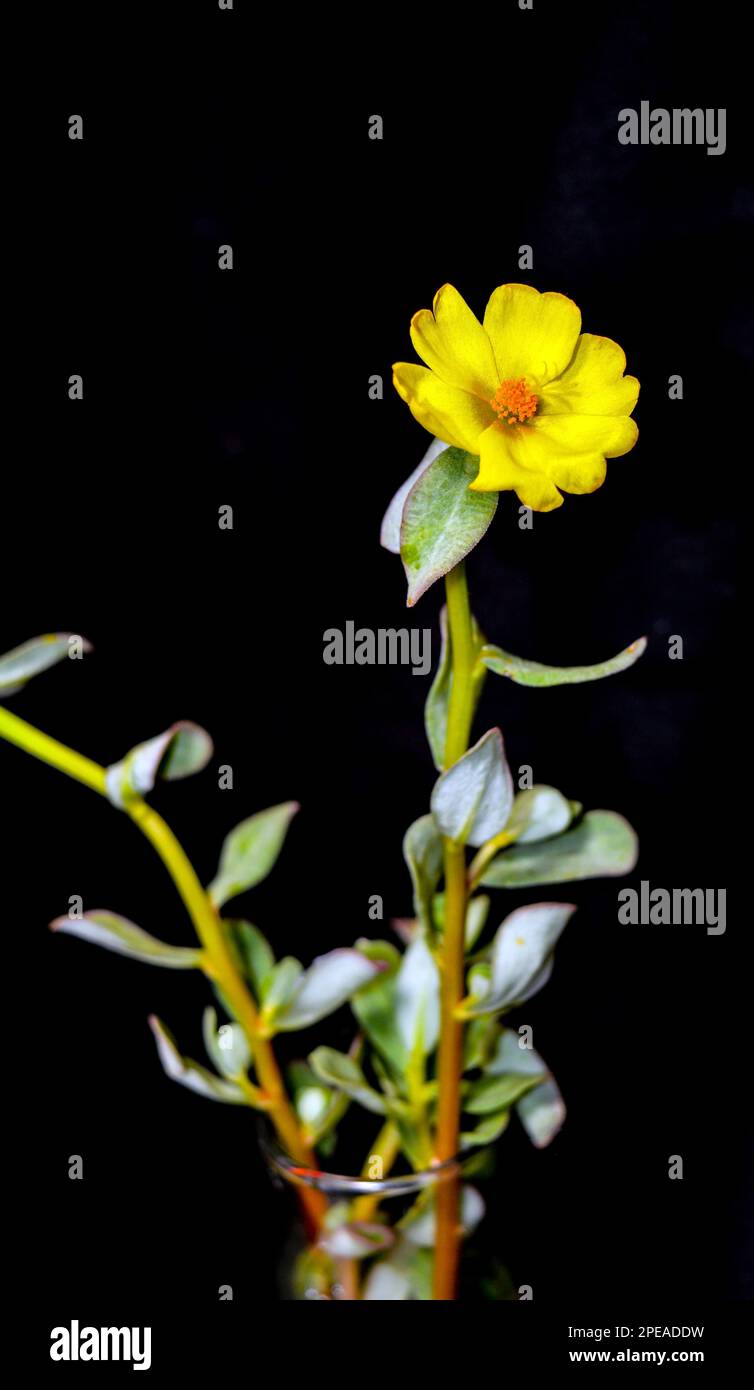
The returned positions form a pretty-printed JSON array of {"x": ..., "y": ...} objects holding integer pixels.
[{"x": 514, "y": 402}]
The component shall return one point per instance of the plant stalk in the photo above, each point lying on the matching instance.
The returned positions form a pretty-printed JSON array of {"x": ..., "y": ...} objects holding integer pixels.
[
  {"x": 386, "y": 1148},
  {"x": 460, "y": 709},
  {"x": 219, "y": 964}
]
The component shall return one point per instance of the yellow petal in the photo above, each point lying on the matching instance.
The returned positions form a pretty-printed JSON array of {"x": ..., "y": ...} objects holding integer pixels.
[
  {"x": 578, "y": 472},
  {"x": 533, "y": 335},
  {"x": 570, "y": 450},
  {"x": 455, "y": 416},
  {"x": 451, "y": 340},
  {"x": 553, "y": 436},
  {"x": 593, "y": 382},
  {"x": 500, "y": 470}
]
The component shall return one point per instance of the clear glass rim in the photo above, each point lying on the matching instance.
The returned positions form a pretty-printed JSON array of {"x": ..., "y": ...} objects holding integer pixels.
[{"x": 344, "y": 1184}]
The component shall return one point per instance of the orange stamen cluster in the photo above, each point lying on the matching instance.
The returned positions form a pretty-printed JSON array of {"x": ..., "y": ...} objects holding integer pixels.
[{"x": 514, "y": 402}]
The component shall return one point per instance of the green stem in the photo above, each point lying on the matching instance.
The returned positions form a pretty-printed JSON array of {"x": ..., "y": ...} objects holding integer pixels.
[
  {"x": 386, "y": 1147},
  {"x": 48, "y": 750},
  {"x": 218, "y": 963},
  {"x": 450, "y": 1055},
  {"x": 462, "y": 659}
]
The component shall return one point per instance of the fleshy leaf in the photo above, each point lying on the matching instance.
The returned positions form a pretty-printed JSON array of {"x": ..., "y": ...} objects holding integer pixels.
[
  {"x": 374, "y": 1008},
  {"x": 190, "y": 1074},
  {"x": 226, "y": 1046},
  {"x": 442, "y": 520},
  {"x": 487, "y": 1131},
  {"x": 438, "y": 699},
  {"x": 492, "y": 1092},
  {"x": 534, "y": 673},
  {"x": 329, "y": 982},
  {"x": 181, "y": 750},
  {"x": 477, "y": 911},
  {"x": 250, "y": 851},
  {"x": 404, "y": 1274},
  {"x": 342, "y": 1072},
  {"x": 479, "y": 979},
  {"x": 38, "y": 654},
  {"x": 479, "y": 1042},
  {"x": 601, "y": 845},
  {"x": 382, "y": 951},
  {"x": 118, "y": 934},
  {"x": 520, "y": 957},
  {"x": 318, "y": 1107},
  {"x": 542, "y": 1113},
  {"x": 357, "y": 1240},
  {"x": 417, "y": 998},
  {"x": 422, "y": 851},
  {"x": 390, "y": 531},
  {"x": 387, "y": 1283},
  {"x": 280, "y": 984},
  {"x": 542, "y": 1110},
  {"x": 420, "y": 1229},
  {"x": 472, "y": 801},
  {"x": 256, "y": 954},
  {"x": 539, "y": 813},
  {"x": 312, "y": 1105}
]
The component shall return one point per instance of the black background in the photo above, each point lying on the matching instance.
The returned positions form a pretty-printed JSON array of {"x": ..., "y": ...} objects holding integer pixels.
[{"x": 205, "y": 388}]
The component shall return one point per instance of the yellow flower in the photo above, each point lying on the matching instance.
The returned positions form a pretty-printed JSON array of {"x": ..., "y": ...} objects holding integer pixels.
[{"x": 542, "y": 404}]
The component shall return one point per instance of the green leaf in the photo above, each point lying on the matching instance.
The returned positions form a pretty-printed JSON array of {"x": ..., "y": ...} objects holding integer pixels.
[
  {"x": 534, "y": 673},
  {"x": 422, "y": 851},
  {"x": 413, "y": 1139},
  {"x": 442, "y": 520},
  {"x": 329, "y": 982},
  {"x": 190, "y": 1074},
  {"x": 357, "y": 1240},
  {"x": 313, "y": 1105},
  {"x": 479, "y": 1042},
  {"x": 487, "y": 1131},
  {"x": 601, "y": 845},
  {"x": 418, "y": 1225},
  {"x": 256, "y": 954},
  {"x": 479, "y": 978},
  {"x": 417, "y": 999},
  {"x": 118, "y": 934},
  {"x": 539, "y": 813},
  {"x": 182, "y": 749},
  {"x": 472, "y": 801},
  {"x": 383, "y": 952},
  {"x": 280, "y": 983},
  {"x": 375, "y": 1010},
  {"x": 226, "y": 1046},
  {"x": 38, "y": 654},
  {"x": 438, "y": 699},
  {"x": 319, "y": 1109},
  {"x": 492, "y": 1093},
  {"x": 404, "y": 1275},
  {"x": 342, "y": 1072},
  {"x": 477, "y": 911},
  {"x": 520, "y": 958},
  {"x": 542, "y": 1110},
  {"x": 390, "y": 531},
  {"x": 250, "y": 851}
]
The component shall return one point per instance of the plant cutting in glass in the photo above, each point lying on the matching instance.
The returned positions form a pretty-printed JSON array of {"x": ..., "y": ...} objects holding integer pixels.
[{"x": 523, "y": 402}]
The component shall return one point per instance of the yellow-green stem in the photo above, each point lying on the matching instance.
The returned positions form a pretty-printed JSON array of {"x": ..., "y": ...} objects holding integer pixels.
[
  {"x": 218, "y": 963},
  {"x": 386, "y": 1148},
  {"x": 485, "y": 855},
  {"x": 460, "y": 710}
]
